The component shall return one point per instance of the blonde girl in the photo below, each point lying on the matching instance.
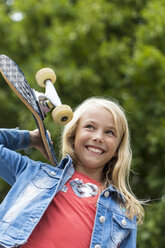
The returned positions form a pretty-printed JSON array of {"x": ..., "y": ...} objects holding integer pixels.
[{"x": 116, "y": 171}]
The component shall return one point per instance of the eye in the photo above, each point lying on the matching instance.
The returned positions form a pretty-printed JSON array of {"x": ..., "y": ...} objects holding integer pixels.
[
  {"x": 110, "y": 132},
  {"x": 91, "y": 127}
]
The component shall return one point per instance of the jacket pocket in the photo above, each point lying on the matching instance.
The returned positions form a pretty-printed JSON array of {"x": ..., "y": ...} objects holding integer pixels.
[
  {"x": 121, "y": 227},
  {"x": 45, "y": 178}
]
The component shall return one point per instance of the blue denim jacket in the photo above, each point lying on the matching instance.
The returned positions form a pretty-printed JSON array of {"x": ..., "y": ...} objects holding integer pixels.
[{"x": 34, "y": 184}]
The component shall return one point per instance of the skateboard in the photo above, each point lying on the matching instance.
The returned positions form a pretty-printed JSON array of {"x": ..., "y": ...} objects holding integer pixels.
[{"x": 38, "y": 103}]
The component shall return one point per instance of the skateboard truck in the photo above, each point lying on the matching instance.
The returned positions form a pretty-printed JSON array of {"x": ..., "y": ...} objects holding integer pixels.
[
  {"x": 61, "y": 114},
  {"x": 48, "y": 100}
]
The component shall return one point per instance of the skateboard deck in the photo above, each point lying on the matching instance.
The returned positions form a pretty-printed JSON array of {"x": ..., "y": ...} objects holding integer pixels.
[{"x": 18, "y": 83}]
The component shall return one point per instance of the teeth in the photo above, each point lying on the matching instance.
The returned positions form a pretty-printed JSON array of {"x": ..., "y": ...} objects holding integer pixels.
[{"x": 97, "y": 150}]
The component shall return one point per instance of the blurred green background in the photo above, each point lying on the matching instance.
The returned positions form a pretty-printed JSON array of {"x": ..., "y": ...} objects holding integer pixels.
[{"x": 97, "y": 48}]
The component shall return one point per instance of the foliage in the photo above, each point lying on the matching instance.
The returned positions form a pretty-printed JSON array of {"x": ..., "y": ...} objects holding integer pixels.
[
  {"x": 107, "y": 48},
  {"x": 152, "y": 231}
]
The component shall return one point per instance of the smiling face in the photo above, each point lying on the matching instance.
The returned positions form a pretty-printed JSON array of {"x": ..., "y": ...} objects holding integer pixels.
[{"x": 96, "y": 141}]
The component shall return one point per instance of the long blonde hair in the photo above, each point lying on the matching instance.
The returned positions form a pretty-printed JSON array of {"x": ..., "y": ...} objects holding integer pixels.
[{"x": 116, "y": 172}]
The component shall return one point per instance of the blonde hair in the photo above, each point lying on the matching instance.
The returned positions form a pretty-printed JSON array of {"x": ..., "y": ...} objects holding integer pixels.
[{"x": 116, "y": 172}]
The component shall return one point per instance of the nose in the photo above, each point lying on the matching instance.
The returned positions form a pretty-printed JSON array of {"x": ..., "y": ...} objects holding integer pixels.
[{"x": 98, "y": 137}]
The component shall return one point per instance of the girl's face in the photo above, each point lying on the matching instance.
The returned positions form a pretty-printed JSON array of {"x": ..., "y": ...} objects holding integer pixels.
[{"x": 96, "y": 141}]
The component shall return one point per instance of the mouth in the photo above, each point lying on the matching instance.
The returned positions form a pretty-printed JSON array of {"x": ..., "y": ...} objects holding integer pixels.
[{"x": 94, "y": 149}]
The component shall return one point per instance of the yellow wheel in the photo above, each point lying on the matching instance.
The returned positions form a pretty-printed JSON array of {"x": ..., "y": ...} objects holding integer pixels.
[
  {"x": 45, "y": 74},
  {"x": 62, "y": 114}
]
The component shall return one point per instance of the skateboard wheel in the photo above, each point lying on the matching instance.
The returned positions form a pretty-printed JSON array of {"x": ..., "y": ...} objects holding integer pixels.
[
  {"x": 45, "y": 74},
  {"x": 62, "y": 114}
]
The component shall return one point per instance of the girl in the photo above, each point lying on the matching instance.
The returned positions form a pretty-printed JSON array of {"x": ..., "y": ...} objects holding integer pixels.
[{"x": 86, "y": 200}]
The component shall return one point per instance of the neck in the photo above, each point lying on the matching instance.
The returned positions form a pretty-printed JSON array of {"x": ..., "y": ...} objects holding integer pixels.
[{"x": 94, "y": 174}]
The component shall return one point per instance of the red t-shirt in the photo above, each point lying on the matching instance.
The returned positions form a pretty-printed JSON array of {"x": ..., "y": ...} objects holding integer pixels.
[{"x": 68, "y": 221}]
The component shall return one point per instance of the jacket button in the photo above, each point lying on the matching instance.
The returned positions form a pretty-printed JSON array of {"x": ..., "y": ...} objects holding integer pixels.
[
  {"x": 97, "y": 246},
  {"x": 102, "y": 219},
  {"x": 124, "y": 222},
  {"x": 106, "y": 193},
  {"x": 53, "y": 173}
]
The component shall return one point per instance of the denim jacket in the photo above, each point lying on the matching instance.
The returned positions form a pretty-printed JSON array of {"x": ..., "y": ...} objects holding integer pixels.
[{"x": 34, "y": 184}]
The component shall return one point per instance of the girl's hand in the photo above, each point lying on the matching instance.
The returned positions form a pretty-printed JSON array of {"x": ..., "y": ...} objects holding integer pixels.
[{"x": 37, "y": 143}]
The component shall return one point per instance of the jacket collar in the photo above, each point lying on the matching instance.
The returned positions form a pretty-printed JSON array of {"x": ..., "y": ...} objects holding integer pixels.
[{"x": 112, "y": 189}]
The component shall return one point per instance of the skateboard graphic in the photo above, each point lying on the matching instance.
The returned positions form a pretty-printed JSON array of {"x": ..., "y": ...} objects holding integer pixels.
[{"x": 37, "y": 102}]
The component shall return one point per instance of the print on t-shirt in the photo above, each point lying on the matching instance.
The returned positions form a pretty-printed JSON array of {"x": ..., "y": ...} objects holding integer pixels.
[{"x": 82, "y": 189}]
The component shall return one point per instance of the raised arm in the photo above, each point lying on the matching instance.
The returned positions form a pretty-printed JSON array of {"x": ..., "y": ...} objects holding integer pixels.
[
  {"x": 14, "y": 139},
  {"x": 11, "y": 162}
]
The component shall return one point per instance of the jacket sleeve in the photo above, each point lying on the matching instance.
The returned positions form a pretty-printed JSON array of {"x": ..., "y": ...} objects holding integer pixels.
[
  {"x": 11, "y": 162},
  {"x": 14, "y": 139}
]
